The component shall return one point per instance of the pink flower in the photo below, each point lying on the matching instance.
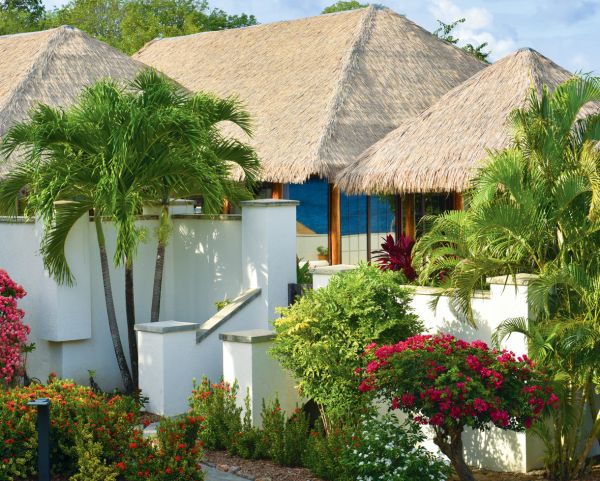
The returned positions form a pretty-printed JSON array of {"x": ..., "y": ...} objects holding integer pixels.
[{"x": 480, "y": 405}]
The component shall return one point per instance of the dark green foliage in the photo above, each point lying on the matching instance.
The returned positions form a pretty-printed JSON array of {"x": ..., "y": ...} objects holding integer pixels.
[
  {"x": 342, "y": 6},
  {"x": 324, "y": 453},
  {"x": 125, "y": 24}
]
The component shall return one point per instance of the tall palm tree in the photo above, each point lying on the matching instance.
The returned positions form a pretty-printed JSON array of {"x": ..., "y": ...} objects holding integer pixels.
[
  {"x": 178, "y": 149},
  {"x": 53, "y": 173},
  {"x": 120, "y": 148},
  {"x": 535, "y": 208}
]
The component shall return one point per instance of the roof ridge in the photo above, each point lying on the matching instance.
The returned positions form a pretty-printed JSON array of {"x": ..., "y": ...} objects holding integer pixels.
[
  {"x": 259, "y": 25},
  {"x": 349, "y": 66},
  {"x": 41, "y": 59}
]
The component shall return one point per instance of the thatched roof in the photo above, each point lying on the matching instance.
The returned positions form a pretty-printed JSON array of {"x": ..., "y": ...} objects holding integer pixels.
[
  {"x": 52, "y": 67},
  {"x": 440, "y": 149},
  {"x": 321, "y": 89}
]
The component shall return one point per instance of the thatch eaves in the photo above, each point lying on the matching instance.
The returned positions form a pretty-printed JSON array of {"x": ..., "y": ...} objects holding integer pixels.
[
  {"x": 52, "y": 67},
  {"x": 321, "y": 89},
  {"x": 440, "y": 150}
]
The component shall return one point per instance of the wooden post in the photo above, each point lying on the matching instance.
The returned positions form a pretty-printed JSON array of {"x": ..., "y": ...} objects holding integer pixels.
[
  {"x": 408, "y": 203},
  {"x": 458, "y": 201},
  {"x": 277, "y": 190},
  {"x": 226, "y": 207},
  {"x": 398, "y": 216},
  {"x": 335, "y": 225},
  {"x": 369, "y": 228}
]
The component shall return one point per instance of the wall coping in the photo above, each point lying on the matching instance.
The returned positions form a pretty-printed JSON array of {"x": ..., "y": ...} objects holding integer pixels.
[
  {"x": 11, "y": 219},
  {"x": 222, "y": 316},
  {"x": 270, "y": 203},
  {"x": 236, "y": 217},
  {"x": 166, "y": 327},
  {"x": 516, "y": 280},
  {"x": 253, "y": 336},
  {"x": 333, "y": 270}
]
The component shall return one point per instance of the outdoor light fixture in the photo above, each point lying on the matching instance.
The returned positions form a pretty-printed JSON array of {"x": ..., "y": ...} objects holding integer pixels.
[{"x": 43, "y": 429}]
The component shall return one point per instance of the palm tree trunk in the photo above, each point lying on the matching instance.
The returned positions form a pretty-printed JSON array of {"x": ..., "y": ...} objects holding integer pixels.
[
  {"x": 130, "y": 310},
  {"x": 110, "y": 309},
  {"x": 157, "y": 287},
  {"x": 160, "y": 263}
]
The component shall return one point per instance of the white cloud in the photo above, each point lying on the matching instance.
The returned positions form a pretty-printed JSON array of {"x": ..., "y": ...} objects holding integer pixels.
[{"x": 476, "y": 29}]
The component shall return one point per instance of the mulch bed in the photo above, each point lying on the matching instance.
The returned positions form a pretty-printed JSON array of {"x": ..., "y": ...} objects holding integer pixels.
[
  {"x": 262, "y": 469},
  {"x": 257, "y": 469}
]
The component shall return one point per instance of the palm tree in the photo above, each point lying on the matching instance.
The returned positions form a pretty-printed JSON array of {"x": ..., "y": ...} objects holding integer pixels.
[
  {"x": 534, "y": 208},
  {"x": 177, "y": 149},
  {"x": 120, "y": 148},
  {"x": 63, "y": 184}
]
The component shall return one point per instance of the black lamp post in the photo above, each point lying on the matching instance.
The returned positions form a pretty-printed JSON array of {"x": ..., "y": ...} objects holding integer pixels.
[{"x": 43, "y": 429}]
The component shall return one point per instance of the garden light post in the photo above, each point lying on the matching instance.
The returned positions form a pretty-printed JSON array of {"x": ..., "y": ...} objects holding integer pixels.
[{"x": 43, "y": 429}]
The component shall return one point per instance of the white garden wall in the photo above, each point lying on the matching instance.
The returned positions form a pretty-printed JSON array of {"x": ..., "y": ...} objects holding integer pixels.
[{"x": 203, "y": 264}]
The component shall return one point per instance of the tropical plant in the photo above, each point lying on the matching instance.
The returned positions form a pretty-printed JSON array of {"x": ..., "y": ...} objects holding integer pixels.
[
  {"x": 117, "y": 149},
  {"x": 13, "y": 333},
  {"x": 321, "y": 337},
  {"x": 449, "y": 384},
  {"x": 534, "y": 208},
  {"x": 176, "y": 148},
  {"x": 396, "y": 255}
]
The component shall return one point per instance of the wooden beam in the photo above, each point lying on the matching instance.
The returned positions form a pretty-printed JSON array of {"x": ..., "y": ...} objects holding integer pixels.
[
  {"x": 369, "y": 228},
  {"x": 277, "y": 190},
  {"x": 226, "y": 206},
  {"x": 458, "y": 201},
  {"x": 398, "y": 227},
  {"x": 335, "y": 225},
  {"x": 408, "y": 205}
]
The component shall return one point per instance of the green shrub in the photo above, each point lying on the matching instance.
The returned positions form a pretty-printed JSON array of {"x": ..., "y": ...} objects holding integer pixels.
[
  {"x": 247, "y": 443},
  {"x": 174, "y": 455},
  {"x": 90, "y": 466},
  {"x": 112, "y": 419},
  {"x": 324, "y": 453},
  {"x": 384, "y": 450},
  {"x": 320, "y": 339},
  {"x": 283, "y": 439},
  {"x": 216, "y": 404}
]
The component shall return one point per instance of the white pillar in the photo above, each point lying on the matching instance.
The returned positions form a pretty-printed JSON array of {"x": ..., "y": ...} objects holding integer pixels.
[
  {"x": 269, "y": 251},
  {"x": 246, "y": 360},
  {"x": 73, "y": 316},
  {"x": 322, "y": 275},
  {"x": 167, "y": 355}
]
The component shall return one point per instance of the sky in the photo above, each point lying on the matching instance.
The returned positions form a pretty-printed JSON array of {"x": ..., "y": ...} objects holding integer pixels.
[{"x": 567, "y": 31}]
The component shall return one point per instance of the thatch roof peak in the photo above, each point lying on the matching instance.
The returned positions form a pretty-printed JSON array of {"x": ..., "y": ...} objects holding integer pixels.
[
  {"x": 322, "y": 88},
  {"x": 53, "y": 66},
  {"x": 440, "y": 149}
]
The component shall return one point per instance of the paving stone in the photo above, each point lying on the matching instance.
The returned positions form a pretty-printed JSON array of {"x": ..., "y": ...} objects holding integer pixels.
[
  {"x": 150, "y": 430},
  {"x": 214, "y": 474}
]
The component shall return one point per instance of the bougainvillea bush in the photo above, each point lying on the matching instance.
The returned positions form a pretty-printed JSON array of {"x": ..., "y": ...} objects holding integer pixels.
[
  {"x": 13, "y": 333},
  {"x": 449, "y": 384}
]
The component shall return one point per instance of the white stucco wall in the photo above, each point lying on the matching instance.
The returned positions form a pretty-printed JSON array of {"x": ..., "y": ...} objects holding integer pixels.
[{"x": 69, "y": 324}]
